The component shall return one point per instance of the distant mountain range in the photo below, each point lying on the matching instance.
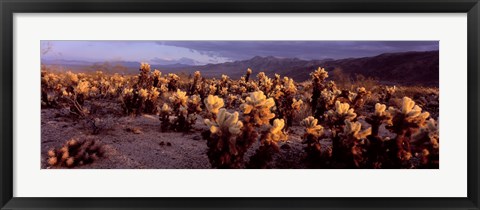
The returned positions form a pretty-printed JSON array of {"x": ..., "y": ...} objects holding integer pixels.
[{"x": 407, "y": 68}]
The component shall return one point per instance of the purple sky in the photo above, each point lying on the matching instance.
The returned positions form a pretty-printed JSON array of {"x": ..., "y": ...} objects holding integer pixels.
[{"x": 203, "y": 52}]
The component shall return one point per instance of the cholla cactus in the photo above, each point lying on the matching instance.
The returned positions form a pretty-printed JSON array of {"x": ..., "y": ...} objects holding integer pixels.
[
  {"x": 427, "y": 144},
  {"x": 225, "y": 147},
  {"x": 359, "y": 98},
  {"x": 312, "y": 136},
  {"x": 226, "y": 123},
  {"x": 352, "y": 130},
  {"x": 268, "y": 145},
  {"x": 144, "y": 79},
  {"x": 311, "y": 127},
  {"x": 286, "y": 103},
  {"x": 353, "y": 140},
  {"x": 156, "y": 75},
  {"x": 172, "y": 82},
  {"x": 164, "y": 117},
  {"x": 71, "y": 78},
  {"x": 296, "y": 104},
  {"x": 275, "y": 133},
  {"x": 386, "y": 93},
  {"x": 179, "y": 98},
  {"x": 257, "y": 108},
  {"x": 379, "y": 117},
  {"x": 76, "y": 94},
  {"x": 320, "y": 75},
  {"x": 75, "y": 153},
  {"x": 324, "y": 94},
  {"x": 409, "y": 115},
  {"x": 265, "y": 84},
  {"x": 213, "y": 104},
  {"x": 184, "y": 112},
  {"x": 341, "y": 113},
  {"x": 247, "y": 75},
  {"x": 406, "y": 121},
  {"x": 231, "y": 100},
  {"x": 195, "y": 87}
]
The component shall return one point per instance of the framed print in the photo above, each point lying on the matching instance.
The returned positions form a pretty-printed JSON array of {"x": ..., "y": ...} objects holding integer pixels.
[{"x": 239, "y": 105}]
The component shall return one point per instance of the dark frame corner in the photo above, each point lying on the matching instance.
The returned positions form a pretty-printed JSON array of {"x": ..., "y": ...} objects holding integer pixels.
[{"x": 9, "y": 7}]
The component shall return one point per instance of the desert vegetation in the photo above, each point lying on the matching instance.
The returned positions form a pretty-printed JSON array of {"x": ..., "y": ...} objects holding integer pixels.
[{"x": 156, "y": 120}]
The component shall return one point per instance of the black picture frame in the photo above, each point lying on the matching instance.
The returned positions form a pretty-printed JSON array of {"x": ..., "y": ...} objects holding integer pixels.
[{"x": 10, "y": 7}]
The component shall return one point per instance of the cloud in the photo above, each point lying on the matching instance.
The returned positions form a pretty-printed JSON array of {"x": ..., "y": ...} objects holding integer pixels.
[{"x": 239, "y": 50}]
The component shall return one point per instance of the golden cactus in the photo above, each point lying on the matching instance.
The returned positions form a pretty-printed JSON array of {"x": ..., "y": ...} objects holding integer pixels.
[
  {"x": 353, "y": 129},
  {"x": 342, "y": 112},
  {"x": 319, "y": 74},
  {"x": 213, "y": 103},
  {"x": 258, "y": 106},
  {"x": 225, "y": 123},
  {"x": 311, "y": 127},
  {"x": 296, "y": 104},
  {"x": 275, "y": 133},
  {"x": 179, "y": 98}
]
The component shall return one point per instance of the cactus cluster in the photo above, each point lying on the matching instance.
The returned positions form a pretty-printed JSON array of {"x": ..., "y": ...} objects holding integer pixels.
[
  {"x": 75, "y": 153},
  {"x": 182, "y": 112},
  {"x": 224, "y": 140},
  {"x": 346, "y": 127}
]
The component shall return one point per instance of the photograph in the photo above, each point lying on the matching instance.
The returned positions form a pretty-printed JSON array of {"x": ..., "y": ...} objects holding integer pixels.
[{"x": 239, "y": 104}]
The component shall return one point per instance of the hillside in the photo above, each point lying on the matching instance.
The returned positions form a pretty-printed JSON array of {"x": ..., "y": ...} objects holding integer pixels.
[{"x": 406, "y": 68}]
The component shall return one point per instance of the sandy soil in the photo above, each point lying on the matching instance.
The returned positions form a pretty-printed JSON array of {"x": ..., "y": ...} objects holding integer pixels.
[{"x": 137, "y": 142}]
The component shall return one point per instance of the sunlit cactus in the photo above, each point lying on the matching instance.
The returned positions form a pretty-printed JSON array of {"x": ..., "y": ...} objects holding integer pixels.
[
  {"x": 406, "y": 121},
  {"x": 75, "y": 153},
  {"x": 247, "y": 75},
  {"x": 427, "y": 144},
  {"x": 354, "y": 125},
  {"x": 296, "y": 104},
  {"x": 265, "y": 84},
  {"x": 379, "y": 117},
  {"x": 195, "y": 86},
  {"x": 359, "y": 97},
  {"x": 231, "y": 100},
  {"x": 257, "y": 108},
  {"x": 164, "y": 117},
  {"x": 353, "y": 144},
  {"x": 268, "y": 145},
  {"x": 319, "y": 84},
  {"x": 179, "y": 98},
  {"x": 182, "y": 114},
  {"x": 225, "y": 124},
  {"x": 225, "y": 148},
  {"x": 172, "y": 82},
  {"x": 275, "y": 133},
  {"x": 311, "y": 127},
  {"x": 342, "y": 112},
  {"x": 353, "y": 130},
  {"x": 213, "y": 104},
  {"x": 312, "y": 136},
  {"x": 387, "y": 93}
]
